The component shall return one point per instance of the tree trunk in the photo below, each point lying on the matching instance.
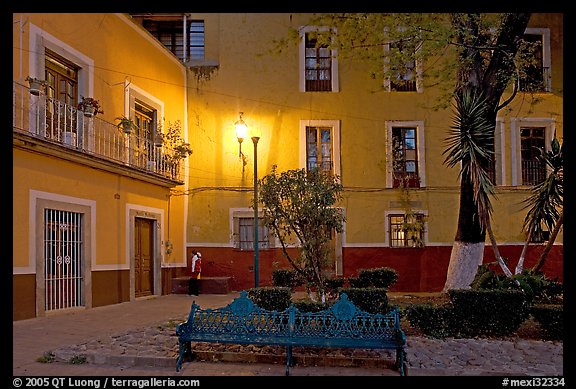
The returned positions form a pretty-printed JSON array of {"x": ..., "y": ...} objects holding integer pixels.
[
  {"x": 468, "y": 248},
  {"x": 550, "y": 243}
]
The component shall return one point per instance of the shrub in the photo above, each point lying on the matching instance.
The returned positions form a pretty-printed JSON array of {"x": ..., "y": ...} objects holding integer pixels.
[
  {"x": 372, "y": 300},
  {"x": 272, "y": 298},
  {"x": 286, "y": 278},
  {"x": 381, "y": 277},
  {"x": 432, "y": 320},
  {"x": 310, "y": 306},
  {"x": 357, "y": 282},
  {"x": 551, "y": 319},
  {"x": 488, "y": 312},
  {"x": 536, "y": 286}
]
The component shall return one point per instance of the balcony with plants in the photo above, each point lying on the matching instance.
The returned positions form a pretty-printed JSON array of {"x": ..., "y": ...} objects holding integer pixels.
[{"x": 78, "y": 131}]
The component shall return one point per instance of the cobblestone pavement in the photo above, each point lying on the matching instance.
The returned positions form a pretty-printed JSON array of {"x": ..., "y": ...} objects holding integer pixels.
[{"x": 117, "y": 346}]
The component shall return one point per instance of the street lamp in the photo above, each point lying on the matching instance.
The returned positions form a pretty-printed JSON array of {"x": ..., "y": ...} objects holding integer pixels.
[{"x": 241, "y": 131}]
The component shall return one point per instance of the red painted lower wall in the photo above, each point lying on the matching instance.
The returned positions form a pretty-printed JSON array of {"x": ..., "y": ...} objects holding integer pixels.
[{"x": 419, "y": 269}]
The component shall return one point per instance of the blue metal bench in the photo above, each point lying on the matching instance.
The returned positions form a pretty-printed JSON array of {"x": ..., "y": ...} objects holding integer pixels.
[{"x": 342, "y": 325}]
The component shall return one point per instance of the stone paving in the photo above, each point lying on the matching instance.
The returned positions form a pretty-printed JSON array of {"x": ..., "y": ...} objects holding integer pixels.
[
  {"x": 138, "y": 338},
  {"x": 158, "y": 346}
]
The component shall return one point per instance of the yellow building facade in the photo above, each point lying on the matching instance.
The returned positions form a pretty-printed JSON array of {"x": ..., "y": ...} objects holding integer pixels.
[
  {"x": 94, "y": 222},
  {"x": 358, "y": 117},
  {"x": 102, "y": 194}
]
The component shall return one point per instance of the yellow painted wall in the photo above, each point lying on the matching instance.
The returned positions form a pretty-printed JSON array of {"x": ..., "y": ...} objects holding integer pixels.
[
  {"x": 265, "y": 88},
  {"x": 123, "y": 53}
]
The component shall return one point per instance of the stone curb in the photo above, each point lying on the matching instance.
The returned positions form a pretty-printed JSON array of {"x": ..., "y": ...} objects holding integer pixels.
[{"x": 225, "y": 356}]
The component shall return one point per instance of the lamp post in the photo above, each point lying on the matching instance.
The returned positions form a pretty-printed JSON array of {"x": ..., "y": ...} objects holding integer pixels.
[
  {"x": 241, "y": 131},
  {"x": 256, "y": 221}
]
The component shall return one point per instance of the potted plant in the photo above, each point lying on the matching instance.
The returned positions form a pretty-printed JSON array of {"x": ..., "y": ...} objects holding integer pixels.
[
  {"x": 174, "y": 140},
  {"x": 89, "y": 106},
  {"x": 183, "y": 149},
  {"x": 36, "y": 85},
  {"x": 125, "y": 124}
]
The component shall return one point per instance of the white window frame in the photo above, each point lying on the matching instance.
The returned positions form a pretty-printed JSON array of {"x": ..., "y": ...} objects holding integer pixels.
[
  {"x": 549, "y": 125},
  {"x": 500, "y": 152},
  {"x": 546, "y": 54},
  {"x": 335, "y": 125},
  {"x": 387, "y": 214},
  {"x": 302, "y": 59},
  {"x": 235, "y": 215},
  {"x": 420, "y": 147}
]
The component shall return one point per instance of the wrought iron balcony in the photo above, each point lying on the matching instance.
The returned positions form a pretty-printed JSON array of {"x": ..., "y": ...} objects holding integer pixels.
[{"x": 55, "y": 122}]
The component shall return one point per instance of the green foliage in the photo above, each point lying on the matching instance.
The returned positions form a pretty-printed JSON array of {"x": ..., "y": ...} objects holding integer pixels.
[
  {"x": 78, "y": 360},
  {"x": 47, "y": 357},
  {"x": 471, "y": 313},
  {"x": 490, "y": 312},
  {"x": 547, "y": 197},
  {"x": 381, "y": 277},
  {"x": 372, "y": 300},
  {"x": 550, "y": 318},
  {"x": 300, "y": 205},
  {"x": 271, "y": 298},
  {"x": 432, "y": 320},
  {"x": 470, "y": 143},
  {"x": 286, "y": 278},
  {"x": 310, "y": 306},
  {"x": 535, "y": 286}
]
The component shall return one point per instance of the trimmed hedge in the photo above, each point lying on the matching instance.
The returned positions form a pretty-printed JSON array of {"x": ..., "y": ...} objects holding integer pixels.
[
  {"x": 492, "y": 312},
  {"x": 310, "y": 306},
  {"x": 550, "y": 318},
  {"x": 380, "y": 277},
  {"x": 272, "y": 298},
  {"x": 287, "y": 278},
  {"x": 432, "y": 320},
  {"x": 372, "y": 300},
  {"x": 471, "y": 313}
]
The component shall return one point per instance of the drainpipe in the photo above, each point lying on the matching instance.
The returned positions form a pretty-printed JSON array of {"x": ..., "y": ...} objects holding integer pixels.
[{"x": 185, "y": 46}]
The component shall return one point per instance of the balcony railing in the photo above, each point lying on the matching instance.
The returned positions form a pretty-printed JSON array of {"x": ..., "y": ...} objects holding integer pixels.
[
  {"x": 533, "y": 172},
  {"x": 56, "y": 122}
]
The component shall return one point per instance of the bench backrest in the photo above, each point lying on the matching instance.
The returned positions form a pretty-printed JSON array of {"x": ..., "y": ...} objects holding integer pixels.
[{"x": 245, "y": 320}]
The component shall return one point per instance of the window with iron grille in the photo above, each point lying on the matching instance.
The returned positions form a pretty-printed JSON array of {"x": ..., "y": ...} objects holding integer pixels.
[
  {"x": 317, "y": 65},
  {"x": 63, "y": 253},
  {"x": 245, "y": 236},
  {"x": 532, "y": 144},
  {"x": 319, "y": 149},
  {"x": 405, "y": 158},
  {"x": 406, "y": 230}
]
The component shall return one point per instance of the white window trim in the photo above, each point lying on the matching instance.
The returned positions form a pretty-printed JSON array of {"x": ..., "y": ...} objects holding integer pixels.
[
  {"x": 421, "y": 148},
  {"x": 419, "y": 70},
  {"x": 500, "y": 152},
  {"x": 402, "y": 212},
  {"x": 546, "y": 55},
  {"x": 131, "y": 90},
  {"x": 516, "y": 157},
  {"x": 237, "y": 213},
  {"x": 335, "y": 125},
  {"x": 302, "y": 57}
]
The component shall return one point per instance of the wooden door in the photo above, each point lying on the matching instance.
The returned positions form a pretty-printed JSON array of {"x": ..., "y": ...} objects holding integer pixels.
[{"x": 144, "y": 258}]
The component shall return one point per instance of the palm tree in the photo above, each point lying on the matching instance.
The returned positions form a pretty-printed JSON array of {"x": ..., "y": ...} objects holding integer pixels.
[{"x": 545, "y": 203}]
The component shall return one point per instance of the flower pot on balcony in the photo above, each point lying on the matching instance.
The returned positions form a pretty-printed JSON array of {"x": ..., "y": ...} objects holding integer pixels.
[
  {"x": 36, "y": 86},
  {"x": 89, "y": 111}
]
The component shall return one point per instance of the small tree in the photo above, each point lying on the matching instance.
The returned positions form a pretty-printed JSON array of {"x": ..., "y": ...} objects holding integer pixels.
[{"x": 298, "y": 207}]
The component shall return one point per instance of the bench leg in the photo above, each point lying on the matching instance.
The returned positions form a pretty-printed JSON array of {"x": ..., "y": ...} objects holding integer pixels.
[
  {"x": 288, "y": 359},
  {"x": 184, "y": 348},
  {"x": 401, "y": 361}
]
